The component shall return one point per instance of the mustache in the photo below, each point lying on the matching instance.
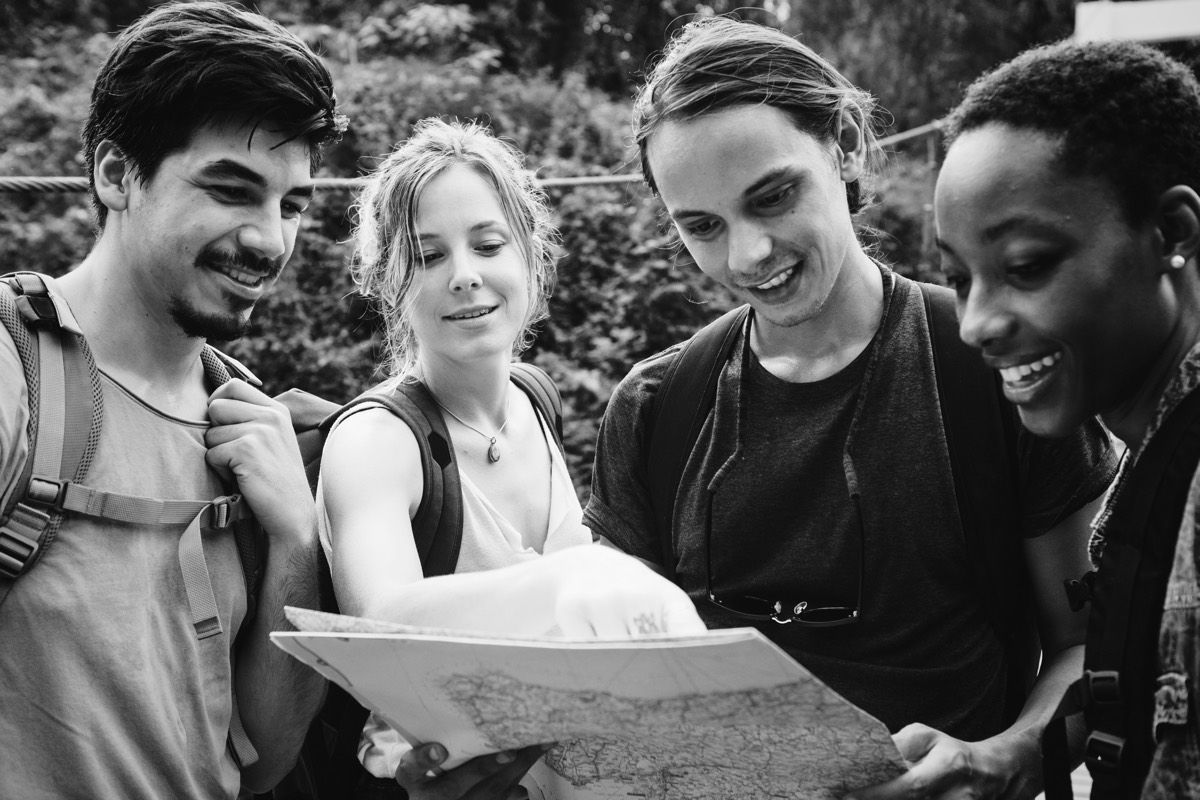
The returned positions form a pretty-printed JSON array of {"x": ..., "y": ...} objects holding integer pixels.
[{"x": 241, "y": 259}]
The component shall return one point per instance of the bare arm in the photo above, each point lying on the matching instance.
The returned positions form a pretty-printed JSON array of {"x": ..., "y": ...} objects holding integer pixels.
[
  {"x": 277, "y": 696},
  {"x": 371, "y": 475},
  {"x": 1009, "y": 764}
]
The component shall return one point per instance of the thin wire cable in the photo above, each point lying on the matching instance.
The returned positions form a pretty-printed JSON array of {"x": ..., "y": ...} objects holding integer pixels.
[{"x": 75, "y": 184}]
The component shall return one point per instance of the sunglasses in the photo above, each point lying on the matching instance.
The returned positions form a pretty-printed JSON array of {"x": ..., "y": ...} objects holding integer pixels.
[{"x": 800, "y": 612}]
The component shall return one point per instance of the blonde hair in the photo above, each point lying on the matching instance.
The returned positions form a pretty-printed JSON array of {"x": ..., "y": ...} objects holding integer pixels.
[{"x": 387, "y": 253}]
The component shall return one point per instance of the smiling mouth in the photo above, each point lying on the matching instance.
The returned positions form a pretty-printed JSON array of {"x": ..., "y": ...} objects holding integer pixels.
[
  {"x": 246, "y": 278},
  {"x": 777, "y": 281},
  {"x": 475, "y": 313},
  {"x": 1022, "y": 376}
]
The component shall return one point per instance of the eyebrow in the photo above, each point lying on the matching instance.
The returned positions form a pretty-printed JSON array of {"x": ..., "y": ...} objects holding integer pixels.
[
  {"x": 227, "y": 169},
  {"x": 1005, "y": 226},
  {"x": 478, "y": 226},
  {"x": 770, "y": 177}
]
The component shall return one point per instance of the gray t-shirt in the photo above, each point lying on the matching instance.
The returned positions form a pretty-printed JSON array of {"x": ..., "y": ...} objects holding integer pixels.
[{"x": 783, "y": 526}]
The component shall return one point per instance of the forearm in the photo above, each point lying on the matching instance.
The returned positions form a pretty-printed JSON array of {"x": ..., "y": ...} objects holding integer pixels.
[
  {"x": 277, "y": 695},
  {"x": 517, "y": 600},
  {"x": 589, "y": 591},
  {"x": 1023, "y": 739}
]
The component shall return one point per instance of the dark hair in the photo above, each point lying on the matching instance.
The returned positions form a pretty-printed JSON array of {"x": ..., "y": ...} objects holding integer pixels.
[
  {"x": 717, "y": 62},
  {"x": 1124, "y": 112},
  {"x": 185, "y": 65}
]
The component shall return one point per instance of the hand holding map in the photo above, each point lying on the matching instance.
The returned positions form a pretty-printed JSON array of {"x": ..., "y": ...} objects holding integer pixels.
[{"x": 721, "y": 714}]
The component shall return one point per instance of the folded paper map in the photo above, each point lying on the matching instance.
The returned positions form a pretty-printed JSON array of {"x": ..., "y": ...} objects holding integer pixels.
[{"x": 706, "y": 717}]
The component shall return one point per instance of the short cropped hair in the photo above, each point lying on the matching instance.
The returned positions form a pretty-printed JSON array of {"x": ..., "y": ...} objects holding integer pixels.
[
  {"x": 185, "y": 65},
  {"x": 387, "y": 251},
  {"x": 715, "y": 63},
  {"x": 1123, "y": 112}
]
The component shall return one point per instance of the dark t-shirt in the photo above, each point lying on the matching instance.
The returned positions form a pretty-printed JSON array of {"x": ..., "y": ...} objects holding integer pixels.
[{"x": 769, "y": 463}]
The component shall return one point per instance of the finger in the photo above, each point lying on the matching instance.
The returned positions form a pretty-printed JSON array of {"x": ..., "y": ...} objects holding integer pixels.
[
  {"x": 941, "y": 771},
  {"x": 417, "y": 763},
  {"x": 238, "y": 389},
  {"x": 497, "y": 785},
  {"x": 680, "y": 617},
  {"x": 915, "y": 741}
]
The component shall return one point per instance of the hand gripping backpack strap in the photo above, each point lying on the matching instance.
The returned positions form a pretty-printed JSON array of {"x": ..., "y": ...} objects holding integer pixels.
[
  {"x": 64, "y": 418},
  {"x": 981, "y": 433},
  {"x": 684, "y": 398}
]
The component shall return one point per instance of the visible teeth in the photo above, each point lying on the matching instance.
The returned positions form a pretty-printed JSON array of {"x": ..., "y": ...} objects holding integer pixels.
[
  {"x": 241, "y": 276},
  {"x": 1016, "y": 373},
  {"x": 473, "y": 314},
  {"x": 778, "y": 280}
]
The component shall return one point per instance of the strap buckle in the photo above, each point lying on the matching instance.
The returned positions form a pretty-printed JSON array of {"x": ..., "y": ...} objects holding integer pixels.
[
  {"x": 1102, "y": 754},
  {"x": 1080, "y": 590},
  {"x": 1101, "y": 687},
  {"x": 20, "y": 539},
  {"x": 46, "y": 491},
  {"x": 224, "y": 510}
]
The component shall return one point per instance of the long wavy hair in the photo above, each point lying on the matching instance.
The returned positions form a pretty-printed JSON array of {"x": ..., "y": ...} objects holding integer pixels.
[{"x": 387, "y": 253}]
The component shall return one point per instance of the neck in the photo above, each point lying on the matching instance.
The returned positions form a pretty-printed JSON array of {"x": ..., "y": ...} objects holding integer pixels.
[
  {"x": 831, "y": 339},
  {"x": 477, "y": 392},
  {"x": 1130, "y": 421},
  {"x": 130, "y": 333}
]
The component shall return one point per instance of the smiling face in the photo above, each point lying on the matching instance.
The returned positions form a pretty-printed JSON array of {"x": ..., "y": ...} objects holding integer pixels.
[
  {"x": 470, "y": 299},
  {"x": 1056, "y": 287},
  {"x": 760, "y": 205},
  {"x": 211, "y": 231}
]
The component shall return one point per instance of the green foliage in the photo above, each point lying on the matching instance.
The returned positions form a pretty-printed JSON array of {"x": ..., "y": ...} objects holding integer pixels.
[{"x": 623, "y": 291}]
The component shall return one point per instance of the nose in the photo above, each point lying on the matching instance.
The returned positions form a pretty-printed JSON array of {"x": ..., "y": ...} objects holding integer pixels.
[
  {"x": 983, "y": 320},
  {"x": 268, "y": 234},
  {"x": 749, "y": 246},
  {"x": 464, "y": 274}
]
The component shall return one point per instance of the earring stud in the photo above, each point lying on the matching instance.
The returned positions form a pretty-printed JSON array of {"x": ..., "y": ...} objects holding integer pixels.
[{"x": 1177, "y": 261}]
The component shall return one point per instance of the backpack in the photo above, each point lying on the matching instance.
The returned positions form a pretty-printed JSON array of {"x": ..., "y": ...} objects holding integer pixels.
[
  {"x": 980, "y": 429},
  {"x": 65, "y": 417},
  {"x": 329, "y": 767},
  {"x": 1127, "y": 592}
]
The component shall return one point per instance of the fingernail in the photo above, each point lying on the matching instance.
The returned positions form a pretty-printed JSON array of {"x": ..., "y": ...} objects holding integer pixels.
[
  {"x": 438, "y": 753},
  {"x": 546, "y": 748},
  {"x": 504, "y": 757}
]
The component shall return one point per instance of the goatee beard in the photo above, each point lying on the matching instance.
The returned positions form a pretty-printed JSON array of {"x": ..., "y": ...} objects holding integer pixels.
[{"x": 200, "y": 325}]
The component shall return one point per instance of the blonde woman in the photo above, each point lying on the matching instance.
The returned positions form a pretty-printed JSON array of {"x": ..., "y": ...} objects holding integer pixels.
[{"x": 454, "y": 242}]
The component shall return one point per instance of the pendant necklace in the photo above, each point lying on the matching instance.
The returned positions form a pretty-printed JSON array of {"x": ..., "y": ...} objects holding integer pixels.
[{"x": 493, "y": 451}]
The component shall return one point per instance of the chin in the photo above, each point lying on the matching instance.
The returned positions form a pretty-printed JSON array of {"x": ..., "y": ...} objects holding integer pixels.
[{"x": 1049, "y": 423}]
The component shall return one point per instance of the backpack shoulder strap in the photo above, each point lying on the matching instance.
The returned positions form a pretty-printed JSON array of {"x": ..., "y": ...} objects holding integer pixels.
[
  {"x": 437, "y": 525},
  {"x": 229, "y": 367},
  {"x": 677, "y": 413},
  {"x": 65, "y": 415},
  {"x": 542, "y": 390},
  {"x": 1117, "y": 690},
  {"x": 981, "y": 433}
]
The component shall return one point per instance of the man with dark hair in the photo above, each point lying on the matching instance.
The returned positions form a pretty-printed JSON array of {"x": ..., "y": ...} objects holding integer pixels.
[{"x": 117, "y": 678}]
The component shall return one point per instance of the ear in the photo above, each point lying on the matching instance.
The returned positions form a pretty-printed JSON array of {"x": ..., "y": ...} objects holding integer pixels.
[
  {"x": 1179, "y": 223},
  {"x": 112, "y": 175},
  {"x": 851, "y": 144}
]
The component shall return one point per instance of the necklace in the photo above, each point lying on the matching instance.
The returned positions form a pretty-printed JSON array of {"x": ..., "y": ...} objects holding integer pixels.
[{"x": 493, "y": 451}]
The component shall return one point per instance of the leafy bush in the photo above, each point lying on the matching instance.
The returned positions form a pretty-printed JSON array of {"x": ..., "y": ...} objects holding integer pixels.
[{"x": 622, "y": 293}]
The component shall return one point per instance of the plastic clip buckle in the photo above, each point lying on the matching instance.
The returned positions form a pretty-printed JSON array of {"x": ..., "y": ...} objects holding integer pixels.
[
  {"x": 1101, "y": 686},
  {"x": 19, "y": 539},
  {"x": 1102, "y": 754},
  {"x": 45, "y": 491},
  {"x": 223, "y": 508}
]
